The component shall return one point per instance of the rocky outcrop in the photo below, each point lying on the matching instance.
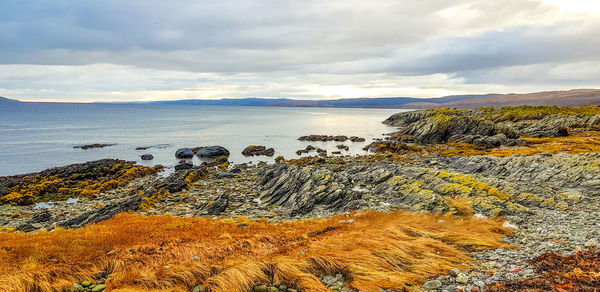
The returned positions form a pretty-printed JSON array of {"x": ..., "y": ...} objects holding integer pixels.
[
  {"x": 106, "y": 212},
  {"x": 256, "y": 150},
  {"x": 76, "y": 180},
  {"x": 561, "y": 171},
  {"x": 504, "y": 124},
  {"x": 212, "y": 151}
]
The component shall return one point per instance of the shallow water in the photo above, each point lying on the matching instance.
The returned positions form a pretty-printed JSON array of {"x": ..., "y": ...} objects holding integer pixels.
[{"x": 34, "y": 137}]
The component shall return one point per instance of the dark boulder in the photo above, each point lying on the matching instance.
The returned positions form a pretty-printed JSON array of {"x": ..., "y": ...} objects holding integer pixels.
[
  {"x": 184, "y": 153},
  {"x": 147, "y": 157},
  {"x": 212, "y": 151}
]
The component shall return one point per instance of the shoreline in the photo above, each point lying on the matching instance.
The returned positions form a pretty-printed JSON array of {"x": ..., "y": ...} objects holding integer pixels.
[{"x": 543, "y": 192}]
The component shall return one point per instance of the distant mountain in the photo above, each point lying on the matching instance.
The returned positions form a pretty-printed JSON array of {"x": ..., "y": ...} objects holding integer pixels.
[
  {"x": 382, "y": 102},
  {"x": 575, "y": 97}
]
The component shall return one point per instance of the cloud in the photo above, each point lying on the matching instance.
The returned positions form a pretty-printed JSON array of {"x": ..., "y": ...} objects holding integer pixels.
[{"x": 123, "y": 50}]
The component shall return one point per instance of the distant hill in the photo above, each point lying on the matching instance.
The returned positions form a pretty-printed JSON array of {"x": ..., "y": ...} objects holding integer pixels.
[
  {"x": 379, "y": 102},
  {"x": 575, "y": 97},
  {"x": 4, "y": 100}
]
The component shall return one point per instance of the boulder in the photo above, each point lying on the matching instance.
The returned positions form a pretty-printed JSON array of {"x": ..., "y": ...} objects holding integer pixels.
[
  {"x": 184, "y": 153},
  {"x": 147, "y": 157},
  {"x": 212, "y": 151}
]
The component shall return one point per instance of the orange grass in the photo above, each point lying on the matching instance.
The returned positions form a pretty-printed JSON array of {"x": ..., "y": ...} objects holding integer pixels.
[
  {"x": 584, "y": 142},
  {"x": 372, "y": 250}
]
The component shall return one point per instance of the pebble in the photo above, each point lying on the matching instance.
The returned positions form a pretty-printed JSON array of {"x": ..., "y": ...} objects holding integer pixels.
[
  {"x": 432, "y": 285},
  {"x": 462, "y": 278}
]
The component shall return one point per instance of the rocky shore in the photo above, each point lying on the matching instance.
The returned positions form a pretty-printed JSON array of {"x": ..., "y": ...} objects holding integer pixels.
[{"x": 474, "y": 165}]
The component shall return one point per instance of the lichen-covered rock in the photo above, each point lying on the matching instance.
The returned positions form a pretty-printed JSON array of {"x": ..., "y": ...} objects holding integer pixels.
[
  {"x": 255, "y": 150},
  {"x": 442, "y": 125},
  {"x": 76, "y": 180}
]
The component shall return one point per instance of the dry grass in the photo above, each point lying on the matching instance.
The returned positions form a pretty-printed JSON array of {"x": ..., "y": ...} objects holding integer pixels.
[
  {"x": 584, "y": 142},
  {"x": 373, "y": 250}
]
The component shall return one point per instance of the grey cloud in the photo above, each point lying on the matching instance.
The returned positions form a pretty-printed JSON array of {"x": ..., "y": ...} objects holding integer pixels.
[{"x": 276, "y": 48}]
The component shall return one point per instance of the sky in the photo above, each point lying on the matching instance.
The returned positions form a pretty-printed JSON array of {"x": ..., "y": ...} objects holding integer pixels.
[{"x": 141, "y": 50}]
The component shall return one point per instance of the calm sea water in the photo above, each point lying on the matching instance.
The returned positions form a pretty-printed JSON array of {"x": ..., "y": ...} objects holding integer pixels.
[{"x": 34, "y": 137}]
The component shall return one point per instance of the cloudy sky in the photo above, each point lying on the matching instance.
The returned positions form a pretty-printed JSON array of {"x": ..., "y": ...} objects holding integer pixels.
[{"x": 116, "y": 50}]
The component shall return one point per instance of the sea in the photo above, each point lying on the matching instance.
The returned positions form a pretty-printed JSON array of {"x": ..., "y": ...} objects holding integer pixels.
[{"x": 37, "y": 136}]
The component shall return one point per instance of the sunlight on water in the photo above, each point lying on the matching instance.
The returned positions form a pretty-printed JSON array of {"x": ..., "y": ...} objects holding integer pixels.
[{"x": 38, "y": 136}]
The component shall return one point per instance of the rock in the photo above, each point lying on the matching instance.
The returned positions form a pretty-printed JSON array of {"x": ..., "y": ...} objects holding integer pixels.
[
  {"x": 462, "y": 278},
  {"x": 357, "y": 139},
  {"x": 454, "y": 272},
  {"x": 342, "y": 147},
  {"x": 183, "y": 166},
  {"x": 106, "y": 212},
  {"x": 432, "y": 285},
  {"x": 98, "y": 288},
  {"x": 591, "y": 243},
  {"x": 92, "y": 146},
  {"x": 254, "y": 150},
  {"x": 215, "y": 207},
  {"x": 323, "y": 138},
  {"x": 41, "y": 217},
  {"x": 147, "y": 157},
  {"x": 184, "y": 153},
  {"x": 212, "y": 151},
  {"x": 302, "y": 151},
  {"x": 25, "y": 227},
  {"x": 507, "y": 224},
  {"x": 485, "y": 126},
  {"x": 260, "y": 289},
  {"x": 198, "y": 288},
  {"x": 226, "y": 174},
  {"x": 86, "y": 283},
  {"x": 310, "y": 148},
  {"x": 43, "y": 205},
  {"x": 72, "y": 201}
]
